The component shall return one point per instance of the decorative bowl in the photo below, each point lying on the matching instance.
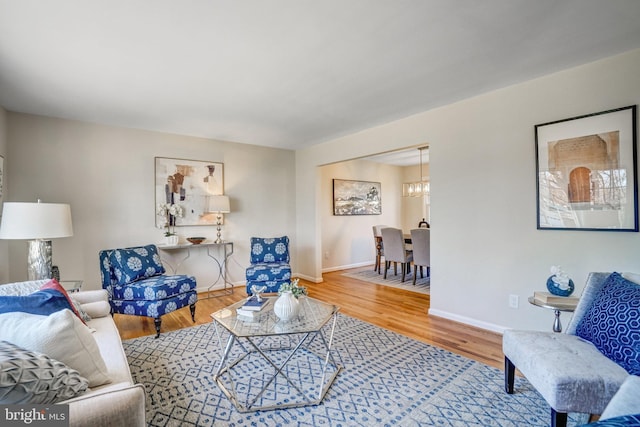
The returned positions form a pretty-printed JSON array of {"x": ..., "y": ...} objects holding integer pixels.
[{"x": 196, "y": 240}]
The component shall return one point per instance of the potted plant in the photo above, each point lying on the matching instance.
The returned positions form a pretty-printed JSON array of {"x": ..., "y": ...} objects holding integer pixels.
[
  {"x": 292, "y": 287},
  {"x": 170, "y": 212}
]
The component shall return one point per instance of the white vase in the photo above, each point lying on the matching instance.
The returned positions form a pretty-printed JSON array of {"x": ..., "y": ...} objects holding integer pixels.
[
  {"x": 171, "y": 240},
  {"x": 286, "y": 306}
]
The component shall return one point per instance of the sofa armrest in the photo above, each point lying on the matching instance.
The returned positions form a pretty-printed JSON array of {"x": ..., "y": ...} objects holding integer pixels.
[
  {"x": 626, "y": 401},
  {"x": 122, "y": 407},
  {"x": 85, "y": 297}
]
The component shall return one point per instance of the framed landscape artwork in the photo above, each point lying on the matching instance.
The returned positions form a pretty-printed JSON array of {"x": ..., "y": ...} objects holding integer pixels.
[
  {"x": 188, "y": 183},
  {"x": 356, "y": 197},
  {"x": 587, "y": 172}
]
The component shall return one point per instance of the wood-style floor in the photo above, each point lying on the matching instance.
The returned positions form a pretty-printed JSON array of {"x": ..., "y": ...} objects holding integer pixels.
[{"x": 394, "y": 309}]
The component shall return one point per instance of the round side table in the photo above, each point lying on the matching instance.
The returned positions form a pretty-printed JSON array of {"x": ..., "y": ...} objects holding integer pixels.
[{"x": 557, "y": 308}]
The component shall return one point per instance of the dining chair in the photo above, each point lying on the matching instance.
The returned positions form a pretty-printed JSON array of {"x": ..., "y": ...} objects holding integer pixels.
[
  {"x": 395, "y": 251},
  {"x": 377, "y": 240},
  {"x": 420, "y": 240}
]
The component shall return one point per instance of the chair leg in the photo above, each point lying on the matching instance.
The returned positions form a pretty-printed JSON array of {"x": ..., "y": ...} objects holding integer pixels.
[
  {"x": 509, "y": 375},
  {"x": 386, "y": 267},
  {"x": 415, "y": 273},
  {"x": 421, "y": 273},
  {"x": 395, "y": 268},
  {"x": 403, "y": 265},
  {"x": 157, "y": 322},
  {"x": 192, "y": 307},
  {"x": 558, "y": 419}
]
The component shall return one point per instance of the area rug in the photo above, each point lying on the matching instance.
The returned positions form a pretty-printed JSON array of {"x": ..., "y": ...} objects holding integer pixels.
[
  {"x": 387, "y": 380},
  {"x": 422, "y": 284}
]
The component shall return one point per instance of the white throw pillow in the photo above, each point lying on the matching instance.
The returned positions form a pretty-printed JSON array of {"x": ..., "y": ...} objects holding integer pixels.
[
  {"x": 61, "y": 336},
  {"x": 97, "y": 309}
]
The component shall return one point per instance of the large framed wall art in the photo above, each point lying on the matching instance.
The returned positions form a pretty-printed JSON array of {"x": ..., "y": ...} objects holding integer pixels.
[
  {"x": 356, "y": 197},
  {"x": 587, "y": 172},
  {"x": 187, "y": 183}
]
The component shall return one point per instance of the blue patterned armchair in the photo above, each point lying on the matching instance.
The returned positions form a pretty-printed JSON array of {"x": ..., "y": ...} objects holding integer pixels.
[
  {"x": 269, "y": 263},
  {"x": 135, "y": 281}
]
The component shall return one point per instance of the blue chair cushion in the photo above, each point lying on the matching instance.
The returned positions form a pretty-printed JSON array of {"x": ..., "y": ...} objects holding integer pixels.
[
  {"x": 272, "y": 285},
  {"x": 154, "y": 309},
  {"x": 265, "y": 272},
  {"x": 154, "y": 288},
  {"x": 269, "y": 250},
  {"x": 612, "y": 322},
  {"x": 129, "y": 265}
]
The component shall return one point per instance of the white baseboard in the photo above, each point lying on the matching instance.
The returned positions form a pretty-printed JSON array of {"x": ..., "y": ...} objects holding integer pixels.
[
  {"x": 309, "y": 278},
  {"x": 467, "y": 321},
  {"x": 345, "y": 267},
  {"x": 219, "y": 287}
]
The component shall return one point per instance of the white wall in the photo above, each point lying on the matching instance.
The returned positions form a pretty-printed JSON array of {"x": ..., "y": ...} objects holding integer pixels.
[
  {"x": 4, "y": 259},
  {"x": 413, "y": 208},
  {"x": 347, "y": 241},
  {"x": 482, "y": 168},
  {"x": 107, "y": 175}
]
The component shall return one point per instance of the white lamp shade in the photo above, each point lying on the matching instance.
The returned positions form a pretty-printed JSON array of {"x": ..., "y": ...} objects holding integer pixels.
[
  {"x": 35, "y": 221},
  {"x": 219, "y": 204}
]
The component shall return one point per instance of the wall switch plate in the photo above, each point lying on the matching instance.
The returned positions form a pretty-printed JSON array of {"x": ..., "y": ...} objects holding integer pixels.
[{"x": 513, "y": 301}]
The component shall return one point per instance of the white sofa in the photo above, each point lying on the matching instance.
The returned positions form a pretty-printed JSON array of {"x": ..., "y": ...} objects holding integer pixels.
[{"x": 118, "y": 403}]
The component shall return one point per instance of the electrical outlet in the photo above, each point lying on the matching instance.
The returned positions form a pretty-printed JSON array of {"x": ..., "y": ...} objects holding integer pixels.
[{"x": 513, "y": 301}]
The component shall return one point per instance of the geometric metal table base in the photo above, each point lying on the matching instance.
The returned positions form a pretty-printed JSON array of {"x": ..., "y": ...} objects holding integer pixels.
[
  {"x": 224, "y": 377},
  {"x": 277, "y": 365}
]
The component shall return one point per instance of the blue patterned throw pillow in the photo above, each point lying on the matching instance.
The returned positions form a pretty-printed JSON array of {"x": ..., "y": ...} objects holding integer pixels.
[
  {"x": 43, "y": 302},
  {"x": 622, "y": 421},
  {"x": 133, "y": 264},
  {"x": 612, "y": 323}
]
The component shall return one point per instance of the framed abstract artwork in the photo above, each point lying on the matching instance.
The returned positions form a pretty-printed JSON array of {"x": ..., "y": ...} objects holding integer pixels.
[
  {"x": 188, "y": 184},
  {"x": 356, "y": 197},
  {"x": 586, "y": 170}
]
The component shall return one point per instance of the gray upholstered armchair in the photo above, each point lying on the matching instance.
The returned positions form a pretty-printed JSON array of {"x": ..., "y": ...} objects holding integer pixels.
[{"x": 580, "y": 370}]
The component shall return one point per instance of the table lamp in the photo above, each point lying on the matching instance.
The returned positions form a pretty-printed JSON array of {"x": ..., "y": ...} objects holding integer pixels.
[
  {"x": 38, "y": 222},
  {"x": 219, "y": 205}
]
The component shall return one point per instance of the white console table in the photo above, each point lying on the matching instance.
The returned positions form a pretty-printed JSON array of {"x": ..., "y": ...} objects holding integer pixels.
[{"x": 227, "y": 251}]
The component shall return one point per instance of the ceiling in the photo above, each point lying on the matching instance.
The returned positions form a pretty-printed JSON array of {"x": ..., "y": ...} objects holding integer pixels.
[{"x": 287, "y": 73}]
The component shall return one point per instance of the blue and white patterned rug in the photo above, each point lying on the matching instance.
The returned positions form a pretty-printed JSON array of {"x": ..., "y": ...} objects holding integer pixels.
[
  {"x": 387, "y": 380},
  {"x": 423, "y": 284}
]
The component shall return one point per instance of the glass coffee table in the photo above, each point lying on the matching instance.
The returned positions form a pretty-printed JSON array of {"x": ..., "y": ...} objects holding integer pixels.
[{"x": 270, "y": 364}]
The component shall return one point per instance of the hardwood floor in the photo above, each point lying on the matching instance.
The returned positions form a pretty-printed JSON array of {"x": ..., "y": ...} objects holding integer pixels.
[{"x": 398, "y": 310}]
